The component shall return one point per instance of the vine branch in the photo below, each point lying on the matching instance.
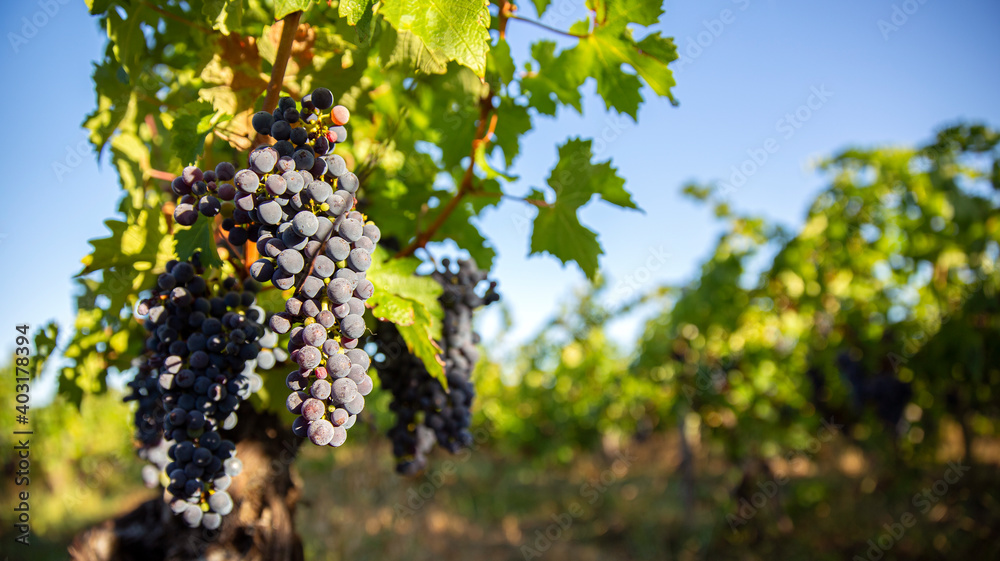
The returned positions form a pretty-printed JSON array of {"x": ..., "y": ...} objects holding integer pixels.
[
  {"x": 289, "y": 25},
  {"x": 484, "y": 133},
  {"x": 514, "y": 16}
]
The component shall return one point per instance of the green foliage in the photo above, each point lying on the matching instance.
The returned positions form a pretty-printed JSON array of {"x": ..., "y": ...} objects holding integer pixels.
[
  {"x": 576, "y": 180},
  {"x": 410, "y": 302},
  {"x": 896, "y": 265},
  {"x": 451, "y": 29},
  {"x": 565, "y": 390},
  {"x": 179, "y": 81}
]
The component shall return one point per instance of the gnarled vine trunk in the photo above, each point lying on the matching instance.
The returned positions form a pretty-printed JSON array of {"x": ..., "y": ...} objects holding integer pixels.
[{"x": 261, "y": 526}]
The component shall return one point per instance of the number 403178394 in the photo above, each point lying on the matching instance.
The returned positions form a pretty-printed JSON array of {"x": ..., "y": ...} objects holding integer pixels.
[{"x": 22, "y": 354}]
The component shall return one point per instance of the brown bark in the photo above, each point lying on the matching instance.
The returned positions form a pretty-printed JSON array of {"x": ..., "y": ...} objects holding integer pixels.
[{"x": 261, "y": 526}]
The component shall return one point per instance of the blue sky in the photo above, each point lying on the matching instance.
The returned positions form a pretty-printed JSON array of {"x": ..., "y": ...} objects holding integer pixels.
[{"x": 844, "y": 80}]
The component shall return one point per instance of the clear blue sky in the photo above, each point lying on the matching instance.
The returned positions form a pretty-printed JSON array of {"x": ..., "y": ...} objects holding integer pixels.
[{"x": 883, "y": 86}]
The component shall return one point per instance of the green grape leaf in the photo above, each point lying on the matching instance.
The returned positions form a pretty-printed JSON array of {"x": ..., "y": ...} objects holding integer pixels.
[
  {"x": 225, "y": 15},
  {"x": 499, "y": 62},
  {"x": 192, "y": 125},
  {"x": 459, "y": 29},
  {"x": 112, "y": 102},
  {"x": 420, "y": 341},
  {"x": 398, "y": 289},
  {"x": 617, "y": 14},
  {"x": 513, "y": 121},
  {"x": 552, "y": 83},
  {"x": 575, "y": 180},
  {"x": 360, "y": 14},
  {"x": 484, "y": 164},
  {"x": 267, "y": 48},
  {"x": 541, "y": 6},
  {"x": 658, "y": 47},
  {"x": 128, "y": 41},
  {"x": 411, "y": 302},
  {"x": 602, "y": 54},
  {"x": 45, "y": 345},
  {"x": 69, "y": 389},
  {"x": 88, "y": 377},
  {"x": 127, "y": 246},
  {"x": 200, "y": 237},
  {"x": 411, "y": 52},
  {"x": 557, "y": 231},
  {"x": 619, "y": 89},
  {"x": 284, "y": 7}
]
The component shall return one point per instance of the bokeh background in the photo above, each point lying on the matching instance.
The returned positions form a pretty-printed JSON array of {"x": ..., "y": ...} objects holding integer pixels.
[{"x": 681, "y": 407}]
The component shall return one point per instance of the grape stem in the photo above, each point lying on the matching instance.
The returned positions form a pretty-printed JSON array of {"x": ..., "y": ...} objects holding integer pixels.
[
  {"x": 159, "y": 174},
  {"x": 484, "y": 133},
  {"x": 514, "y": 16},
  {"x": 290, "y": 24},
  {"x": 234, "y": 259}
]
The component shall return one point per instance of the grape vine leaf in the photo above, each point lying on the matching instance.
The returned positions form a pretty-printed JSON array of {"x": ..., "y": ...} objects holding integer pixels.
[
  {"x": 360, "y": 14},
  {"x": 601, "y": 53},
  {"x": 45, "y": 344},
  {"x": 410, "y": 52},
  {"x": 541, "y": 6},
  {"x": 284, "y": 7},
  {"x": 409, "y": 301},
  {"x": 617, "y": 14},
  {"x": 551, "y": 82},
  {"x": 112, "y": 96},
  {"x": 193, "y": 123},
  {"x": 198, "y": 238},
  {"x": 513, "y": 122},
  {"x": 127, "y": 40},
  {"x": 224, "y": 14},
  {"x": 500, "y": 62},
  {"x": 457, "y": 28},
  {"x": 127, "y": 245},
  {"x": 575, "y": 179}
]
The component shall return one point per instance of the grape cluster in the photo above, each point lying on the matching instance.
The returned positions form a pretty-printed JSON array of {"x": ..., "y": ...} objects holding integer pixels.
[
  {"x": 290, "y": 179},
  {"x": 296, "y": 201},
  {"x": 889, "y": 395},
  {"x": 424, "y": 410},
  {"x": 202, "y": 346}
]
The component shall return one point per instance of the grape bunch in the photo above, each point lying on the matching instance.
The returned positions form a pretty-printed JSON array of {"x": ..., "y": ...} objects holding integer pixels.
[
  {"x": 281, "y": 181},
  {"x": 889, "y": 395},
  {"x": 295, "y": 201},
  {"x": 421, "y": 405},
  {"x": 202, "y": 346}
]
